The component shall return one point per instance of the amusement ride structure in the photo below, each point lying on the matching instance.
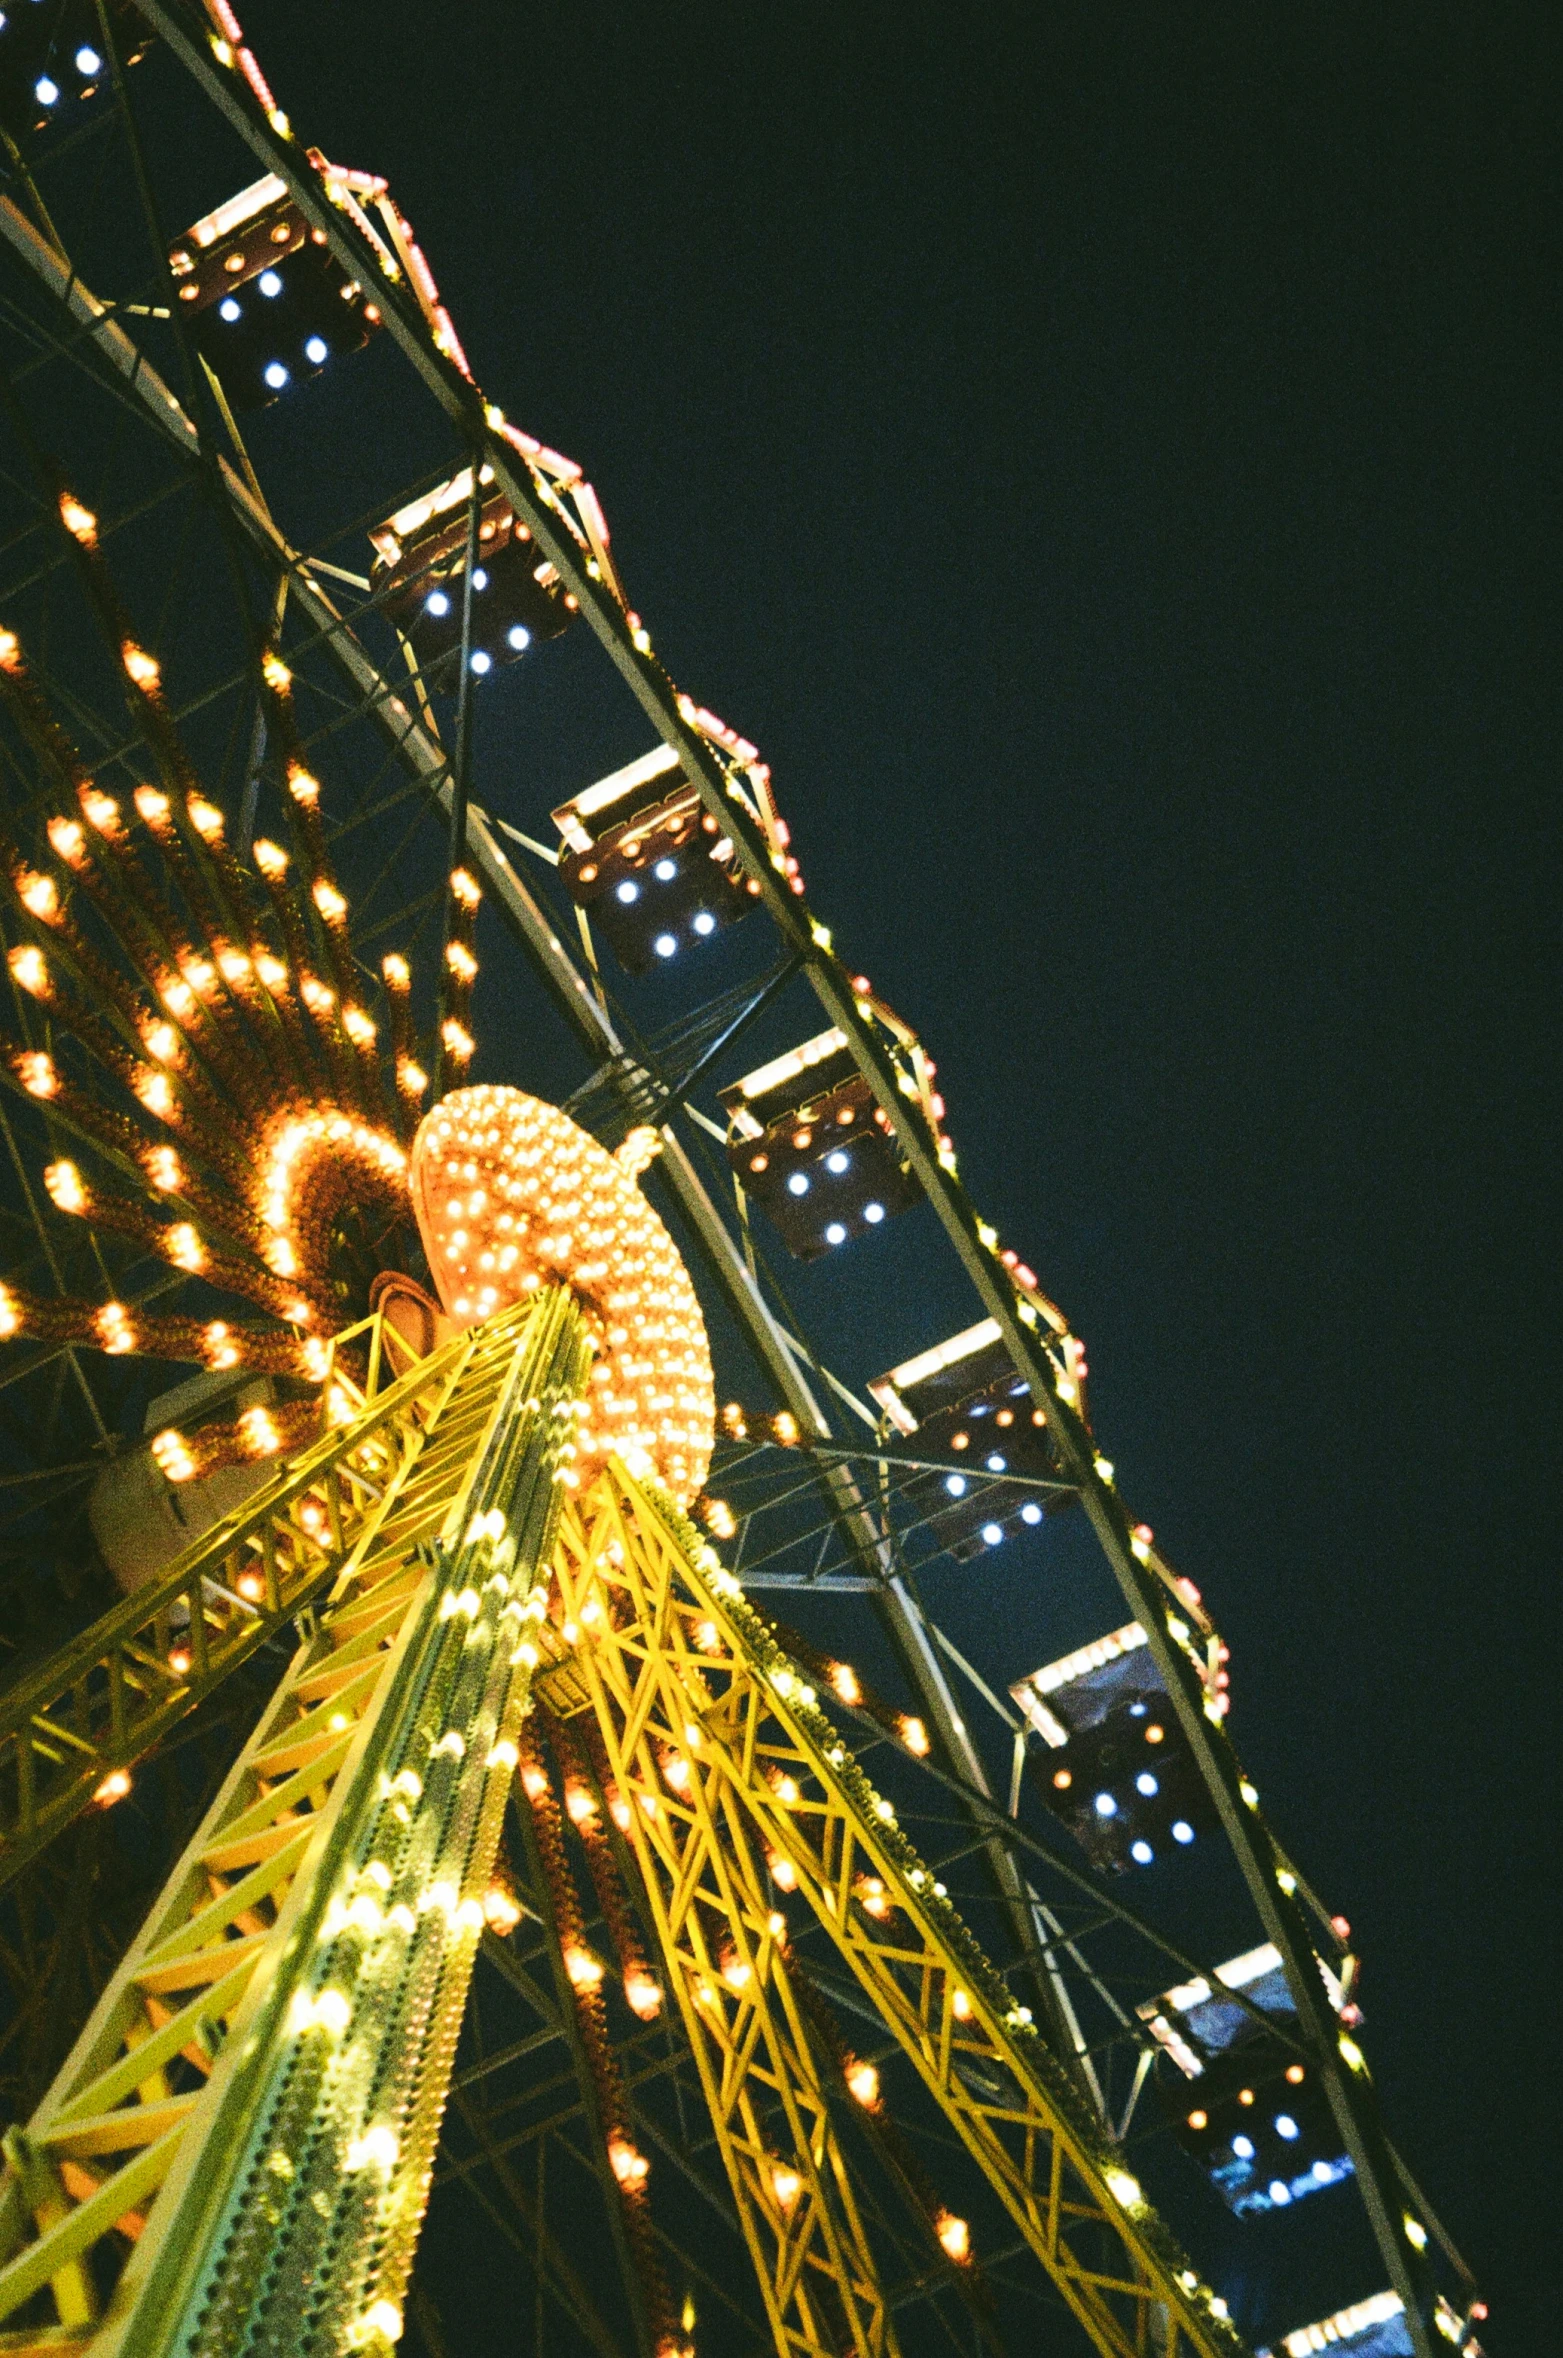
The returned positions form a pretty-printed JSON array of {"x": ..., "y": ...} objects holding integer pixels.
[{"x": 417, "y": 1793}]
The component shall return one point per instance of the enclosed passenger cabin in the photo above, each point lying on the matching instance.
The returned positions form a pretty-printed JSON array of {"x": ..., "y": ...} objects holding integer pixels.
[
  {"x": 809, "y": 1145},
  {"x": 419, "y": 577},
  {"x": 964, "y": 1402},
  {"x": 654, "y": 871},
  {"x": 53, "y": 61},
  {"x": 1239, "y": 2098},
  {"x": 265, "y": 301},
  {"x": 1117, "y": 1770}
]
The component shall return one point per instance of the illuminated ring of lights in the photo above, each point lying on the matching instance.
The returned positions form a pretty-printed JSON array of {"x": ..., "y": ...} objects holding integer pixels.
[{"x": 509, "y": 1195}]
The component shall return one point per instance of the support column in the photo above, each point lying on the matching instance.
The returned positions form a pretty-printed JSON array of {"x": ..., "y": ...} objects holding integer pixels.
[{"x": 294, "y": 2203}]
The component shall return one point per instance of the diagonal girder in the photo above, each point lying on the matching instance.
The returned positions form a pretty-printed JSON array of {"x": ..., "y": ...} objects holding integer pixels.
[
  {"x": 722, "y": 1947},
  {"x": 684, "y": 1678}
]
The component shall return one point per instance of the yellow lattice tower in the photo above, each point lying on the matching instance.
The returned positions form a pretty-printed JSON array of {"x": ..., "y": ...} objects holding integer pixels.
[{"x": 310, "y": 1954}]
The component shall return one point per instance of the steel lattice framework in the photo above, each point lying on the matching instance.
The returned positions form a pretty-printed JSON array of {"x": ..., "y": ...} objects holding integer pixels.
[{"x": 241, "y": 2141}]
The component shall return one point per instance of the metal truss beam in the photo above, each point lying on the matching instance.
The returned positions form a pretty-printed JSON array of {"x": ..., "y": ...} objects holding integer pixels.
[
  {"x": 71, "y": 1732},
  {"x": 680, "y": 1674},
  {"x": 254, "y": 2105},
  {"x": 789, "y": 2177}
]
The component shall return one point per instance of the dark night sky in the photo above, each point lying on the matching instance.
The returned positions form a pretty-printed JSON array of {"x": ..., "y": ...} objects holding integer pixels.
[{"x": 1096, "y": 451}]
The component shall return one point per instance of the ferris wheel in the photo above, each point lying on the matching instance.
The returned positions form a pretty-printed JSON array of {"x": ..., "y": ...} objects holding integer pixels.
[{"x": 423, "y": 1067}]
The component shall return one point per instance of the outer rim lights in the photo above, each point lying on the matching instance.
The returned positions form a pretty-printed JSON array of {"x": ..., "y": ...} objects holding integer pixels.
[
  {"x": 88, "y": 62},
  {"x": 1279, "y": 2192},
  {"x": 873, "y": 1214},
  {"x": 1141, "y": 1853},
  {"x": 835, "y": 1234},
  {"x": 479, "y": 578},
  {"x": 665, "y": 871},
  {"x": 482, "y": 661},
  {"x": 518, "y": 638},
  {"x": 317, "y": 351},
  {"x": 1286, "y": 2127},
  {"x": 269, "y": 284},
  {"x": 229, "y": 310},
  {"x": 627, "y": 892},
  {"x": 1145, "y": 1783},
  {"x": 837, "y": 1162},
  {"x": 993, "y": 1533},
  {"x": 1243, "y": 2147},
  {"x": 1106, "y": 1807},
  {"x": 704, "y": 922},
  {"x": 45, "y": 91},
  {"x": 955, "y": 1484},
  {"x": 275, "y": 375},
  {"x": 996, "y": 1464},
  {"x": 665, "y": 944},
  {"x": 1182, "y": 1831},
  {"x": 1031, "y": 1512},
  {"x": 797, "y": 1184},
  {"x": 437, "y": 603}
]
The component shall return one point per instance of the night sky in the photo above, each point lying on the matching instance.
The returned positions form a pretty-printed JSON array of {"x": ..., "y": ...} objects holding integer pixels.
[{"x": 1096, "y": 452}]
